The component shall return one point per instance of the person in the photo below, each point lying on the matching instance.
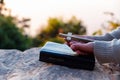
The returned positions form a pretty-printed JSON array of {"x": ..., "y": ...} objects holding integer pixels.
[{"x": 106, "y": 48}]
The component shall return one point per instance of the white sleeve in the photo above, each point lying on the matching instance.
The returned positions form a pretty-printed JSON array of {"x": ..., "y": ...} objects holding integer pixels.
[
  {"x": 115, "y": 34},
  {"x": 107, "y": 51}
]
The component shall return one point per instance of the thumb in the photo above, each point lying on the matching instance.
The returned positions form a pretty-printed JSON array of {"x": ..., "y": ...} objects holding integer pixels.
[
  {"x": 88, "y": 47},
  {"x": 78, "y": 46}
]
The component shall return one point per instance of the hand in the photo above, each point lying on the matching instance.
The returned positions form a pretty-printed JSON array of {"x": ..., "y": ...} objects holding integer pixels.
[{"x": 82, "y": 48}]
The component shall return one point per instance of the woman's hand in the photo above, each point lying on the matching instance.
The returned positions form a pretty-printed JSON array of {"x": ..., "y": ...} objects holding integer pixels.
[{"x": 82, "y": 48}]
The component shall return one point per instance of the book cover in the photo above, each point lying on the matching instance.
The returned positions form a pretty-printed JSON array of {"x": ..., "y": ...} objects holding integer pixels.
[
  {"x": 58, "y": 48},
  {"x": 61, "y": 54}
]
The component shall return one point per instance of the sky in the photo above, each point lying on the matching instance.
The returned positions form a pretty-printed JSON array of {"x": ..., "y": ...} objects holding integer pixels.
[{"x": 91, "y": 12}]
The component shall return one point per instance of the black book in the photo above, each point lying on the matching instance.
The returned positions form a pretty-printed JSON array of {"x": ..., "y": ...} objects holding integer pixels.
[{"x": 61, "y": 54}]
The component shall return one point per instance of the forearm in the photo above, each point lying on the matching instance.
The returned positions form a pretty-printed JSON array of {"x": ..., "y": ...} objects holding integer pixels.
[
  {"x": 115, "y": 34},
  {"x": 107, "y": 51},
  {"x": 106, "y": 37}
]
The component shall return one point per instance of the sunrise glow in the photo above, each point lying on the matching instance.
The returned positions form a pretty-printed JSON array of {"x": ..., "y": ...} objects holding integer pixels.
[{"x": 90, "y": 11}]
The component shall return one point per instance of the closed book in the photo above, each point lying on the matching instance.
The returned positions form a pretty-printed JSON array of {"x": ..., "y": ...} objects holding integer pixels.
[{"x": 61, "y": 54}]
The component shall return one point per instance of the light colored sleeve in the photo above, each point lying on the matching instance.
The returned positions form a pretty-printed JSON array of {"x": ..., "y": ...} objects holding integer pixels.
[
  {"x": 115, "y": 34},
  {"x": 107, "y": 51}
]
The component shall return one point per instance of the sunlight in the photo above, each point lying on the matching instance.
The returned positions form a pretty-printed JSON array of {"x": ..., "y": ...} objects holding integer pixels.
[{"x": 90, "y": 11}]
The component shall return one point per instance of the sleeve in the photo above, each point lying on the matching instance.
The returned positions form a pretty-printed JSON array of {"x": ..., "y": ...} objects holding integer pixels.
[
  {"x": 115, "y": 34},
  {"x": 107, "y": 51}
]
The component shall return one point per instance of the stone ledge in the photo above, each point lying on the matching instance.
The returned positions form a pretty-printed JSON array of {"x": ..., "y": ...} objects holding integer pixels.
[{"x": 17, "y": 65}]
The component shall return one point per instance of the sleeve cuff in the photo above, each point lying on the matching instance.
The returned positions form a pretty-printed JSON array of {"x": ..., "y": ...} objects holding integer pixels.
[{"x": 103, "y": 51}]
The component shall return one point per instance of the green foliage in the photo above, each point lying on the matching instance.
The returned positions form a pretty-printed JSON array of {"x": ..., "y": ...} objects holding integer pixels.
[
  {"x": 56, "y": 26},
  {"x": 113, "y": 25},
  {"x": 10, "y": 35},
  {"x": 98, "y": 32}
]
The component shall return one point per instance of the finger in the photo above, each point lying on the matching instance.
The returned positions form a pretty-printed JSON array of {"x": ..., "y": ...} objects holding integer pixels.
[
  {"x": 88, "y": 47},
  {"x": 69, "y": 43},
  {"x": 81, "y": 53},
  {"x": 73, "y": 47},
  {"x": 73, "y": 42},
  {"x": 77, "y": 46},
  {"x": 80, "y": 46}
]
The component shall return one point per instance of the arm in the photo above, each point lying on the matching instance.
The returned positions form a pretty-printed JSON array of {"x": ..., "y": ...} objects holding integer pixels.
[
  {"x": 106, "y": 37},
  {"x": 104, "y": 51},
  {"x": 115, "y": 34}
]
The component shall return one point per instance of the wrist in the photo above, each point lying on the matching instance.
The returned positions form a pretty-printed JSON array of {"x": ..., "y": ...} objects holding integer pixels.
[{"x": 90, "y": 47}]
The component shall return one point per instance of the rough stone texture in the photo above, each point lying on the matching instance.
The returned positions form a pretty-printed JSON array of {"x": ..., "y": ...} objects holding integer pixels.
[{"x": 17, "y": 65}]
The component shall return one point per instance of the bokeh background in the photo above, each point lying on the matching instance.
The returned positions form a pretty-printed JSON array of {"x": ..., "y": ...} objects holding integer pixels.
[{"x": 30, "y": 23}]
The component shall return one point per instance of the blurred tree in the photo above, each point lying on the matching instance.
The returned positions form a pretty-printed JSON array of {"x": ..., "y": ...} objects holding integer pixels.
[
  {"x": 98, "y": 32},
  {"x": 75, "y": 26},
  {"x": 24, "y": 25},
  {"x": 3, "y": 9},
  {"x": 11, "y": 37},
  {"x": 113, "y": 23},
  {"x": 1, "y": 6},
  {"x": 56, "y": 26}
]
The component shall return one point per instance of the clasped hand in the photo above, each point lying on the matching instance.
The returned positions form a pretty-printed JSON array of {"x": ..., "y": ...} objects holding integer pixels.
[{"x": 81, "y": 48}]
